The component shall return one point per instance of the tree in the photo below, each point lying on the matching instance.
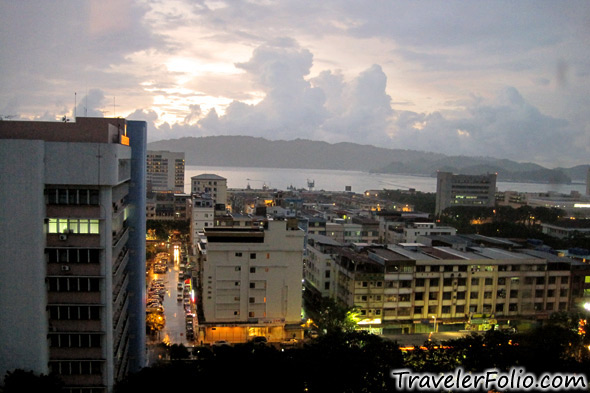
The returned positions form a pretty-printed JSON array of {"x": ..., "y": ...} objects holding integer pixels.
[
  {"x": 154, "y": 322},
  {"x": 18, "y": 381},
  {"x": 331, "y": 317},
  {"x": 178, "y": 352}
]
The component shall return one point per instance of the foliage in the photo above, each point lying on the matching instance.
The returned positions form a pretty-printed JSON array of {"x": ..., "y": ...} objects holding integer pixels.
[
  {"x": 19, "y": 380},
  {"x": 178, "y": 352},
  {"x": 422, "y": 201},
  {"x": 154, "y": 322},
  {"x": 331, "y": 317},
  {"x": 163, "y": 228}
]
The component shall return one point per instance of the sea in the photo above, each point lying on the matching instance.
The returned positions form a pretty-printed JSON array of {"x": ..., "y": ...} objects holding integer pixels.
[{"x": 355, "y": 181}]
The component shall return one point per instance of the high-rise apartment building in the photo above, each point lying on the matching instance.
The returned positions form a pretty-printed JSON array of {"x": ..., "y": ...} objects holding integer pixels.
[
  {"x": 251, "y": 282},
  {"x": 165, "y": 171},
  {"x": 464, "y": 190},
  {"x": 72, "y": 266}
]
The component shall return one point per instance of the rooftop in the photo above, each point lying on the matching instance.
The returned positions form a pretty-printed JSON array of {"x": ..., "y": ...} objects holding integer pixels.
[{"x": 208, "y": 176}]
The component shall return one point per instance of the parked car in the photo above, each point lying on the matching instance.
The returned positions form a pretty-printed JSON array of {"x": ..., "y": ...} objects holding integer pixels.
[
  {"x": 259, "y": 340},
  {"x": 289, "y": 342},
  {"x": 221, "y": 343},
  {"x": 179, "y": 297}
]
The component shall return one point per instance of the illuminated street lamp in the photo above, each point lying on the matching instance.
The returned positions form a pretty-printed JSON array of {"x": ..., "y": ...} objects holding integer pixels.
[{"x": 435, "y": 326}]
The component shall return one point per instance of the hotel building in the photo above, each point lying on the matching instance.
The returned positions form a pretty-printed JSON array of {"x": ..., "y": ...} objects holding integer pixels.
[{"x": 72, "y": 268}]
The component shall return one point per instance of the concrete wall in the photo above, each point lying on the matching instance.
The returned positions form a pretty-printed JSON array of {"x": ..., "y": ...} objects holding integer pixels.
[{"x": 23, "y": 295}]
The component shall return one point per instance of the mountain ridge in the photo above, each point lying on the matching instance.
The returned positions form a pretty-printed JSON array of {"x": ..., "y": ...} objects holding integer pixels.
[{"x": 248, "y": 151}]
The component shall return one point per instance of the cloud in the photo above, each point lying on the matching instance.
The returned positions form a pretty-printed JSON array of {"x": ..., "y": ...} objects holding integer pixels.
[
  {"x": 508, "y": 127},
  {"x": 92, "y": 104}
]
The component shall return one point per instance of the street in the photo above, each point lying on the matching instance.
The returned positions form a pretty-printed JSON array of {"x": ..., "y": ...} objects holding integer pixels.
[{"x": 174, "y": 331}]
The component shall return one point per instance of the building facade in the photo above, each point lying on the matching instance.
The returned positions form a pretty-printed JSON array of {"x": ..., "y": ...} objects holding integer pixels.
[
  {"x": 73, "y": 266},
  {"x": 165, "y": 171},
  {"x": 464, "y": 190},
  {"x": 251, "y": 282},
  {"x": 214, "y": 185},
  {"x": 411, "y": 288}
]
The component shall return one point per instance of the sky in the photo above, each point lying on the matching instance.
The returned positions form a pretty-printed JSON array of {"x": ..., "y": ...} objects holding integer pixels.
[{"x": 504, "y": 79}]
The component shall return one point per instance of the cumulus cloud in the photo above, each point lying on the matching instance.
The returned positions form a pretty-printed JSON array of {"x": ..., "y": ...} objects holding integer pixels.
[
  {"x": 92, "y": 104},
  {"x": 507, "y": 127}
]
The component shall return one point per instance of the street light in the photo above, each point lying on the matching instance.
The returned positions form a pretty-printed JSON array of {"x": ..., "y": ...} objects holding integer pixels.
[{"x": 435, "y": 327}]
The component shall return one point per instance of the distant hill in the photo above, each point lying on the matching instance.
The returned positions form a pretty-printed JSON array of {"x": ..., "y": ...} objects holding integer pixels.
[
  {"x": 248, "y": 151},
  {"x": 299, "y": 153}
]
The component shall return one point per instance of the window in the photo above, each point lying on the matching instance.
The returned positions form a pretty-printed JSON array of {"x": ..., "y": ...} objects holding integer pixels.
[
  {"x": 326, "y": 285},
  {"x": 513, "y": 293},
  {"x": 252, "y": 300},
  {"x": 419, "y": 282},
  {"x": 76, "y": 367},
  {"x": 432, "y": 295},
  {"x": 473, "y": 295},
  {"x": 501, "y": 281},
  {"x": 252, "y": 270},
  {"x": 74, "y": 312},
  {"x": 73, "y": 225},
  {"x": 327, "y": 274},
  {"x": 418, "y": 310},
  {"x": 420, "y": 269},
  {"x": 447, "y": 282},
  {"x": 489, "y": 281},
  {"x": 253, "y": 255},
  {"x": 474, "y": 281},
  {"x": 460, "y": 295},
  {"x": 459, "y": 309},
  {"x": 73, "y": 340},
  {"x": 447, "y": 295},
  {"x": 434, "y": 282},
  {"x": 564, "y": 280},
  {"x": 252, "y": 285},
  {"x": 551, "y": 280},
  {"x": 419, "y": 296},
  {"x": 72, "y": 255},
  {"x": 73, "y": 284},
  {"x": 563, "y": 292},
  {"x": 446, "y": 310}
]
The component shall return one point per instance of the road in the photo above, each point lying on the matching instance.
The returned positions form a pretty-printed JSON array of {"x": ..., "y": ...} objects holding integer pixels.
[{"x": 174, "y": 331}]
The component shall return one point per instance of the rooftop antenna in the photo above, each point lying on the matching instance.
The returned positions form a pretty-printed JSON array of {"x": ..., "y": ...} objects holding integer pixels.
[{"x": 75, "y": 104}]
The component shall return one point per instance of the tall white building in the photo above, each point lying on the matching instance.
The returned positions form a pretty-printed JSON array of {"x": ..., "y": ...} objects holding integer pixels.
[
  {"x": 251, "y": 282},
  {"x": 214, "y": 185},
  {"x": 202, "y": 216},
  {"x": 165, "y": 171},
  {"x": 72, "y": 267}
]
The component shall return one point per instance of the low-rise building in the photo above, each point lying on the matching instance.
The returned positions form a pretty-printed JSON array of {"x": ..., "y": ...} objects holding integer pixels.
[{"x": 410, "y": 288}]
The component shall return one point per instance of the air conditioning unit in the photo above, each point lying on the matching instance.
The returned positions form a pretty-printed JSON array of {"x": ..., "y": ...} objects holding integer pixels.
[
  {"x": 65, "y": 268},
  {"x": 63, "y": 236}
]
